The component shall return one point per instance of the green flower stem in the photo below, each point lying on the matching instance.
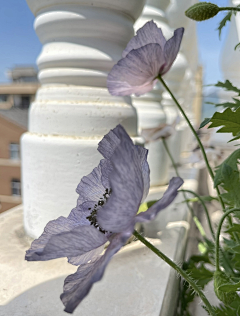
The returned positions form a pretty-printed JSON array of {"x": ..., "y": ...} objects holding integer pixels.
[
  {"x": 229, "y": 9},
  {"x": 217, "y": 245},
  {"x": 205, "y": 209},
  {"x": 196, "y": 136},
  {"x": 195, "y": 219},
  {"x": 170, "y": 156},
  {"x": 230, "y": 269},
  {"x": 178, "y": 270}
]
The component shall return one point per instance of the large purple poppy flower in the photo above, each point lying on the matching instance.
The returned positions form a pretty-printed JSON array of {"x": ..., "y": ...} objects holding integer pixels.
[
  {"x": 106, "y": 211},
  {"x": 146, "y": 56}
]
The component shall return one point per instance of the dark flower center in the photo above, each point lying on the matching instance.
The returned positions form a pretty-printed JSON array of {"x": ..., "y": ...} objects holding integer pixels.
[{"x": 93, "y": 216}]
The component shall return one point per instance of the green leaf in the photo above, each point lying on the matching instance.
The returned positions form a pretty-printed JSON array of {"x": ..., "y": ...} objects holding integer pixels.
[
  {"x": 227, "y": 175},
  {"x": 233, "y": 229},
  {"x": 223, "y": 310},
  {"x": 229, "y": 287},
  {"x": 227, "y": 18},
  {"x": 231, "y": 185},
  {"x": 201, "y": 275},
  {"x": 232, "y": 105},
  {"x": 227, "y": 85},
  {"x": 236, "y": 249},
  {"x": 205, "y": 122},
  {"x": 229, "y": 298},
  {"x": 229, "y": 120},
  {"x": 236, "y": 261},
  {"x": 232, "y": 161}
]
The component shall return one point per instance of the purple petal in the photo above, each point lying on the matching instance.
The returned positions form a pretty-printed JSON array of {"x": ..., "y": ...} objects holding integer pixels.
[
  {"x": 78, "y": 241},
  {"x": 136, "y": 72},
  {"x": 108, "y": 145},
  {"x": 143, "y": 152},
  {"x": 85, "y": 258},
  {"x": 54, "y": 227},
  {"x": 148, "y": 34},
  {"x": 168, "y": 197},
  {"x": 78, "y": 285},
  {"x": 91, "y": 187},
  {"x": 171, "y": 49},
  {"x": 80, "y": 213},
  {"x": 127, "y": 187}
]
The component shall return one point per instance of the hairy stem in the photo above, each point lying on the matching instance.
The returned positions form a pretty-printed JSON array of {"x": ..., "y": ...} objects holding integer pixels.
[
  {"x": 205, "y": 210},
  {"x": 229, "y": 267},
  {"x": 178, "y": 270},
  {"x": 196, "y": 136},
  {"x": 196, "y": 221}
]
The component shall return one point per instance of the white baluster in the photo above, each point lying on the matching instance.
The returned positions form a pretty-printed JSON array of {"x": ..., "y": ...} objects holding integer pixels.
[
  {"x": 230, "y": 65},
  {"x": 150, "y": 111},
  {"x": 188, "y": 67},
  {"x": 82, "y": 40},
  {"x": 230, "y": 57}
]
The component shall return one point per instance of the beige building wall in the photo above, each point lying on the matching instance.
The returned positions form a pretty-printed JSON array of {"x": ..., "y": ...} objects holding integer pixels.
[{"x": 9, "y": 168}]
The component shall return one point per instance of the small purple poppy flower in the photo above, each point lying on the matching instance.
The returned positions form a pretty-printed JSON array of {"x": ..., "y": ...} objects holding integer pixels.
[
  {"x": 106, "y": 211},
  {"x": 146, "y": 56}
]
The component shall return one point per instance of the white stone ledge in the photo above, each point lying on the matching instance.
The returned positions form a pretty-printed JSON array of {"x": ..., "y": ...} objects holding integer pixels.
[{"x": 135, "y": 283}]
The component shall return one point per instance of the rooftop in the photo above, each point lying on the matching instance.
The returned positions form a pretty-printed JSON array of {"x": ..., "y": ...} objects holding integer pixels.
[{"x": 23, "y": 74}]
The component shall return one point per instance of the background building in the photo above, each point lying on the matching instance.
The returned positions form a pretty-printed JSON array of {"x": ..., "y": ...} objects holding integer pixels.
[{"x": 15, "y": 99}]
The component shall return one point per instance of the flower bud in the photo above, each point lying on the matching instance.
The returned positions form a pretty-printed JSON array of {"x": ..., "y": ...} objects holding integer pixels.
[
  {"x": 202, "y": 11},
  {"x": 227, "y": 298}
]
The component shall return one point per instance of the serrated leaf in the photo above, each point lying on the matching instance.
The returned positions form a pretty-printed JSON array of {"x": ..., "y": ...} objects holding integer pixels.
[
  {"x": 231, "y": 185},
  {"x": 201, "y": 275},
  {"x": 229, "y": 120},
  {"x": 234, "y": 229},
  {"x": 232, "y": 161},
  {"x": 229, "y": 287},
  {"x": 223, "y": 310},
  {"x": 205, "y": 122},
  {"x": 236, "y": 261},
  {"x": 236, "y": 249},
  {"x": 227, "y": 175},
  {"x": 224, "y": 21},
  {"x": 232, "y": 105},
  {"x": 227, "y": 85}
]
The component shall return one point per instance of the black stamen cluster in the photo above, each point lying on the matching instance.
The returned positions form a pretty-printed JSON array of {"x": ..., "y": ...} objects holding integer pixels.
[{"x": 93, "y": 216}]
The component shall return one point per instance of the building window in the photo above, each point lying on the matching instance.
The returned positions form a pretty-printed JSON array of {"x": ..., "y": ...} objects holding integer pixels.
[
  {"x": 22, "y": 101},
  {"x": 14, "y": 151},
  {"x": 3, "y": 98},
  {"x": 16, "y": 187}
]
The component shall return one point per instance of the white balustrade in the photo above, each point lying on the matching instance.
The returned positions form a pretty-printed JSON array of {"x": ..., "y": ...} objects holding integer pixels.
[
  {"x": 82, "y": 40},
  {"x": 230, "y": 57},
  {"x": 230, "y": 66},
  {"x": 150, "y": 111},
  {"x": 183, "y": 80}
]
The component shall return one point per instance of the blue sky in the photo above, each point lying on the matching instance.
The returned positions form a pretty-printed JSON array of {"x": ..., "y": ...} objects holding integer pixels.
[{"x": 20, "y": 45}]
